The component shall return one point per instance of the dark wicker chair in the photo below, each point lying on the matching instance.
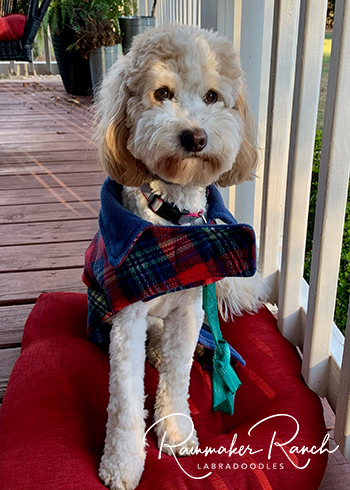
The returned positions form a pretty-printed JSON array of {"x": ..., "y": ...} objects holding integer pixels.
[{"x": 20, "y": 50}]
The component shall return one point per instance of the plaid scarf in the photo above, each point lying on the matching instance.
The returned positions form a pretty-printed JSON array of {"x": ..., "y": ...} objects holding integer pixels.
[{"x": 131, "y": 259}]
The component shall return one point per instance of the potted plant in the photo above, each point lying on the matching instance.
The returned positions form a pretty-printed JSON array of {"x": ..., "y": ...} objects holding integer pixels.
[
  {"x": 100, "y": 42},
  {"x": 131, "y": 25},
  {"x": 97, "y": 35},
  {"x": 82, "y": 30},
  {"x": 73, "y": 68}
]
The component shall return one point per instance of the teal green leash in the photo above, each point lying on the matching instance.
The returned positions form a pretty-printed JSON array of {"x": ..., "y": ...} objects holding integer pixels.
[{"x": 225, "y": 380}]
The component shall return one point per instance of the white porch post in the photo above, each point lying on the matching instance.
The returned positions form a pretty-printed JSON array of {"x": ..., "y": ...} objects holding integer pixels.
[
  {"x": 284, "y": 47},
  {"x": 253, "y": 43},
  {"x": 255, "y": 52},
  {"x": 306, "y": 95}
]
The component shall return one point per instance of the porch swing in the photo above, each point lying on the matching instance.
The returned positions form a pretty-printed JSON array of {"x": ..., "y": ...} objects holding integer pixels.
[{"x": 17, "y": 30}]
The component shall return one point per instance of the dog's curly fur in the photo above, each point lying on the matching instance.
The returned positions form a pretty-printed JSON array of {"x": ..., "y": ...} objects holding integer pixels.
[{"x": 139, "y": 139}]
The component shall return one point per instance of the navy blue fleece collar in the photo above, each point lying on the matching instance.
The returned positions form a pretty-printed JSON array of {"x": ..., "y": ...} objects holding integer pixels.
[{"x": 120, "y": 228}]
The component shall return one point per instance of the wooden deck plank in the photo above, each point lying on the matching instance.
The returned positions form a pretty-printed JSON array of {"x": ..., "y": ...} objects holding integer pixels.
[
  {"x": 73, "y": 123},
  {"x": 41, "y": 125},
  {"x": 50, "y": 111},
  {"x": 50, "y": 232},
  {"x": 40, "y": 99},
  {"x": 79, "y": 144},
  {"x": 32, "y": 213},
  {"x": 53, "y": 137},
  {"x": 22, "y": 127},
  {"x": 47, "y": 195},
  {"x": 25, "y": 287},
  {"x": 70, "y": 118},
  {"x": 56, "y": 97},
  {"x": 54, "y": 168},
  {"x": 67, "y": 180},
  {"x": 30, "y": 108},
  {"x": 45, "y": 256},
  {"x": 7, "y": 360},
  {"x": 35, "y": 87},
  {"x": 12, "y": 320},
  {"x": 44, "y": 157},
  {"x": 337, "y": 475}
]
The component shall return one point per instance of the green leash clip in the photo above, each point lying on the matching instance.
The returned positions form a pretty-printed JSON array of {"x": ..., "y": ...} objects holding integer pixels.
[{"x": 225, "y": 380}]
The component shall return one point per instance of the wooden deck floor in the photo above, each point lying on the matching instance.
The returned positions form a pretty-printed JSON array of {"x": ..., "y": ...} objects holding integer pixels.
[{"x": 49, "y": 202}]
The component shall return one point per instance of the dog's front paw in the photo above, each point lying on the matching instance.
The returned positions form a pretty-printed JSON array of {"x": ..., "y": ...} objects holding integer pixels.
[
  {"x": 121, "y": 477},
  {"x": 176, "y": 435},
  {"x": 176, "y": 446},
  {"x": 111, "y": 476}
]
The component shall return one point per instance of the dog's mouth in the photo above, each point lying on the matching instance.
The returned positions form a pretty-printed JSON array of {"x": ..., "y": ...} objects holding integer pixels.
[{"x": 190, "y": 170}]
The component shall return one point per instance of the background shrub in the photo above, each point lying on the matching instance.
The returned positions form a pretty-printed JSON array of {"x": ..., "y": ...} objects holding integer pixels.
[
  {"x": 343, "y": 290},
  {"x": 330, "y": 14}
]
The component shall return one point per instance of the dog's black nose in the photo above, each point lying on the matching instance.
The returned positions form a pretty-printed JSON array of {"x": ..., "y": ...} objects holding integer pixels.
[{"x": 194, "y": 139}]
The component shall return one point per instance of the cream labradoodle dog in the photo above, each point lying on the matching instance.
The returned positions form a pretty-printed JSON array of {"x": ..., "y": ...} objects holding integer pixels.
[{"x": 172, "y": 114}]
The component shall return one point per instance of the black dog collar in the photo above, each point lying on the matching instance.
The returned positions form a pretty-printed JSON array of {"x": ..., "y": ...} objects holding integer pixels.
[{"x": 170, "y": 211}]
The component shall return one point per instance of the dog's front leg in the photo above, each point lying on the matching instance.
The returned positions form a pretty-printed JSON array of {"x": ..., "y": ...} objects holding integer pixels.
[
  {"x": 124, "y": 453},
  {"x": 178, "y": 343}
]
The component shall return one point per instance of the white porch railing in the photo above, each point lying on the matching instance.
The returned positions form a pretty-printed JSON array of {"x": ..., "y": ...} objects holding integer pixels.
[{"x": 281, "y": 45}]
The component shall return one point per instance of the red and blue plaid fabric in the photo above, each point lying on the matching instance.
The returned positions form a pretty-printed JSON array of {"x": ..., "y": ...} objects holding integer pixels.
[{"x": 162, "y": 259}]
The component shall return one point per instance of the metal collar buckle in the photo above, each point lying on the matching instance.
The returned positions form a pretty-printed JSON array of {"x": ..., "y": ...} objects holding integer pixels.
[{"x": 169, "y": 211}]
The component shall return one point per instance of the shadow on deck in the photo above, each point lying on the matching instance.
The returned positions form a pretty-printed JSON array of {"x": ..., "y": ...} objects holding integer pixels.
[{"x": 49, "y": 201}]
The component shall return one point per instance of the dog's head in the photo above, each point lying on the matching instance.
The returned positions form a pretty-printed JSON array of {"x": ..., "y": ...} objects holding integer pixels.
[{"x": 175, "y": 106}]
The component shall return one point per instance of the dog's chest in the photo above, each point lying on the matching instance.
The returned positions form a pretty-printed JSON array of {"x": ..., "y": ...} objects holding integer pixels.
[{"x": 161, "y": 307}]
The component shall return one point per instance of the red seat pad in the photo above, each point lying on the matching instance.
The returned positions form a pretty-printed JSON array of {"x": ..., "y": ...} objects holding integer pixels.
[
  {"x": 12, "y": 27},
  {"x": 53, "y": 416}
]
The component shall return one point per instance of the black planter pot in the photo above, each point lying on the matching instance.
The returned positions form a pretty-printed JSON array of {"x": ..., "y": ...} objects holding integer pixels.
[{"x": 73, "y": 68}]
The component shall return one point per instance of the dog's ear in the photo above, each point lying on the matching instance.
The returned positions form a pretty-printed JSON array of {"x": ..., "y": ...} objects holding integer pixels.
[
  {"x": 112, "y": 134},
  {"x": 244, "y": 166}
]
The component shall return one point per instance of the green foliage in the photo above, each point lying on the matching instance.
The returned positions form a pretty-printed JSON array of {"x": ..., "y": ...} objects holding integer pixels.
[
  {"x": 95, "y": 22},
  {"x": 76, "y": 12},
  {"x": 6, "y": 7},
  {"x": 330, "y": 13},
  {"x": 344, "y": 274},
  {"x": 343, "y": 290},
  {"x": 22, "y": 6},
  {"x": 312, "y": 205}
]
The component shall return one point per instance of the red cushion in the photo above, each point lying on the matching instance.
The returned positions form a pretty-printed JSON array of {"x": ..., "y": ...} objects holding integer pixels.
[
  {"x": 12, "y": 27},
  {"x": 52, "y": 420}
]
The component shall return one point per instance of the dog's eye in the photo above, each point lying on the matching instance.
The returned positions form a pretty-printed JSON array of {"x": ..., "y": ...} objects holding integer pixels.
[
  {"x": 163, "y": 94},
  {"x": 210, "y": 97}
]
